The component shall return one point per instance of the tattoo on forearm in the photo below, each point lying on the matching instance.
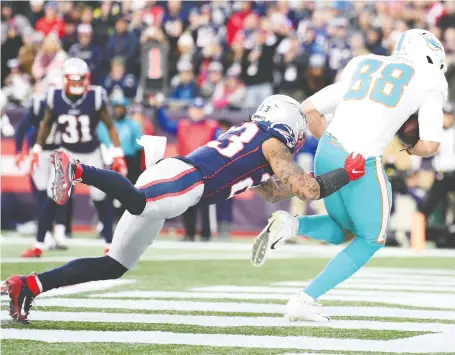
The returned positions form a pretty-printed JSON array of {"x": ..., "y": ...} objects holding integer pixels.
[
  {"x": 295, "y": 180},
  {"x": 273, "y": 192}
]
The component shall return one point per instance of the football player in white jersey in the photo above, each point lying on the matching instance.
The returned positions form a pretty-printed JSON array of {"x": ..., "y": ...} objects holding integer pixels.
[{"x": 374, "y": 97}]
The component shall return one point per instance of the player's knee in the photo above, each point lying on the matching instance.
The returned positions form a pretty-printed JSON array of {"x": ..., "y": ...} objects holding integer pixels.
[
  {"x": 348, "y": 236},
  {"x": 136, "y": 203},
  {"x": 113, "y": 269}
]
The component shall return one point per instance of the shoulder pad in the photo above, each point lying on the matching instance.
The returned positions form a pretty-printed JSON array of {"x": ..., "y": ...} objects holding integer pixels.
[
  {"x": 351, "y": 67},
  {"x": 100, "y": 96},
  {"x": 280, "y": 131}
]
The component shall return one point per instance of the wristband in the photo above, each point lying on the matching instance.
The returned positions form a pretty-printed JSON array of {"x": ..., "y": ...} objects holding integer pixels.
[
  {"x": 37, "y": 149},
  {"x": 117, "y": 152},
  {"x": 332, "y": 181}
]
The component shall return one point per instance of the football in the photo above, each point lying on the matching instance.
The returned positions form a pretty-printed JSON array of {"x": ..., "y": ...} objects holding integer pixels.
[{"x": 408, "y": 133}]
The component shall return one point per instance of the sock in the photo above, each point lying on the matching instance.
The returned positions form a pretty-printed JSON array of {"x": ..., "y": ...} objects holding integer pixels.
[
  {"x": 46, "y": 219},
  {"x": 41, "y": 197},
  {"x": 342, "y": 266},
  {"x": 82, "y": 270},
  {"x": 69, "y": 216},
  {"x": 105, "y": 215},
  {"x": 116, "y": 186},
  {"x": 34, "y": 284},
  {"x": 59, "y": 234},
  {"x": 321, "y": 227}
]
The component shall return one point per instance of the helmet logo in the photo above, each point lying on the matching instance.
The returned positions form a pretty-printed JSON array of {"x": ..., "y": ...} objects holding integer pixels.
[
  {"x": 432, "y": 42},
  {"x": 286, "y": 132}
]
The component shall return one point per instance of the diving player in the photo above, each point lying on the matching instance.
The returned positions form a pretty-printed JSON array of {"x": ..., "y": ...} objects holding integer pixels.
[
  {"x": 375, "y": 96},
  {"x": 245, "y": 156},
  {"x": 74, "y": 112}
]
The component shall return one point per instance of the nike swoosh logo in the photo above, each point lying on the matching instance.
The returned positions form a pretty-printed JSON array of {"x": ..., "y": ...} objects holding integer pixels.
[
  {"x": 273, "y": 245},
  {"x": 357, "y": 171}
]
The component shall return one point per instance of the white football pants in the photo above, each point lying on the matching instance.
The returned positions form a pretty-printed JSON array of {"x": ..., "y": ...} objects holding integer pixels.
[{"x": 171, "y": 187}]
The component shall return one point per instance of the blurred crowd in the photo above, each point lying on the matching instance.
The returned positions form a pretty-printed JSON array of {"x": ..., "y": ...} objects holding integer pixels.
[
  {"x": 232, "y": 53},
  {"x": 224, "y": 56}
]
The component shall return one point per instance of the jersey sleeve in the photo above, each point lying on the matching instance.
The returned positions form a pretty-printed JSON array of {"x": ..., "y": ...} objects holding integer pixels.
[
  {"x": 280, "y": 131},
  {"x": 437, "y": 82},
  {"x": 327, "y": 99},
  {"x": 431, "y": 117}
]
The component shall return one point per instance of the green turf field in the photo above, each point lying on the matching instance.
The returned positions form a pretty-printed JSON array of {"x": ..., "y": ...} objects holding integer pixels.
[{"x": 208, "y": 299}]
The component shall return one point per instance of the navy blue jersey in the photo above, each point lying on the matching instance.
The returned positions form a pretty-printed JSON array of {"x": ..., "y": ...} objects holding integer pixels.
[
  {"x": 77, "y": 120},
  {"x": 37, "y": 114},
  {"x": 234, "y": 162}
]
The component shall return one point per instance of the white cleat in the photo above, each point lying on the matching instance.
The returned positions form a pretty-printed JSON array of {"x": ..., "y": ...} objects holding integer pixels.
[
  {"x": 302, "y": 307},
  {"x": 282, "y": 226}
]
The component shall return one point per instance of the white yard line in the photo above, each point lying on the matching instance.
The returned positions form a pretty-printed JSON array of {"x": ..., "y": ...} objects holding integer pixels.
[
  {"x": 318, "y": 250},
  {"x": 427, "y": 299},
  {"x": 236, "y": 307},
  {"x": 440, "y": 301},
  {"x": 192, "y": 295},
  {"x": 440, "y": 342},
  {"x": 82, "y": 288},
  {"x": 373, "y": 282},
  {"x": 372, "y": 285},
  {"x": 170, "y": 257},
  {"x": 223, "y": 321},
  {"x": 400, "y": 271}
]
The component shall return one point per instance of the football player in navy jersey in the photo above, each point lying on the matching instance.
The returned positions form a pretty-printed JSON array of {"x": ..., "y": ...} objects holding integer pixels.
[
  {"x": 74, "y": 112},
  {"x": 41, "y": 175},
  {"x": 244, "y": 157}
]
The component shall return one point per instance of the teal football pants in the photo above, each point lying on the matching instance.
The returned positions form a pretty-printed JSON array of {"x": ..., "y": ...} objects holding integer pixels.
[{"x": 361, "y": 207}]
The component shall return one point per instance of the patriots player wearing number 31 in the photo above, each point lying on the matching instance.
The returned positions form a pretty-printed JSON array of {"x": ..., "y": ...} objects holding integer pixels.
[
  {"x": 74, "y": 112},
  {"x": 374, "y": 97},
  {"x": 244, "y": 157}
]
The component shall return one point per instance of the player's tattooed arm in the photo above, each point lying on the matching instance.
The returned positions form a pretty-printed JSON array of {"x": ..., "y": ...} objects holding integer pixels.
[
  {"x": 272, "y": 191},
  {"x": 104, "y": 116},
  {"x": 45, "y": 127},
  {"x": 294, "y": 180}
]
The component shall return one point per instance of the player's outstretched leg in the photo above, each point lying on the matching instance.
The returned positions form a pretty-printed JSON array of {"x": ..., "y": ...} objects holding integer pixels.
[
  {"x": 132, "y": 236},
  {"x": 282, "y": 226},
  {"x": 68, "y": 171}
]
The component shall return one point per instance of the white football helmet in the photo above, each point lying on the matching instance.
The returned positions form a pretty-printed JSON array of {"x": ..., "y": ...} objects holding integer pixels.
[
  {"x": 420, "y": 45},
  {"x": 282, "y": 109},
  {"x": 76, "y": 76}
]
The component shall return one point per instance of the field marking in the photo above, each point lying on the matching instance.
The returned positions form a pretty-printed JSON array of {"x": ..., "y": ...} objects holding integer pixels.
[
  {"x": 223, "y": 321},
  {"x": 157, "y": 257},
  {"x": 356, "y": 282},
  {"x": 430, "y": 300},
  {"x": 312, "y": 250},
  {"x": 439, "y": 342},
  {"x": 235, "y": 307},
  {"x": 395, "y": 270}
]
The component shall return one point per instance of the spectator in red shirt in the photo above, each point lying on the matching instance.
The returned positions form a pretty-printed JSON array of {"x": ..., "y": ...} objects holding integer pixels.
[
  {"x": 51, "y": 22},
  {"x": 235, "y": 22}
]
